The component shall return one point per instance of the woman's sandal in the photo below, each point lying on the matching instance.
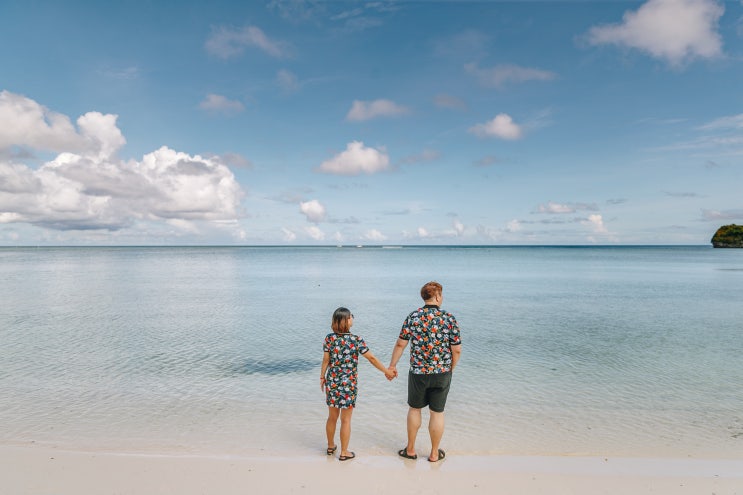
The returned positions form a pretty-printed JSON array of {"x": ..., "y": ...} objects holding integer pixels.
[
  {"x": 347, "y": 457},
  {"x": 332, "y": 450}
]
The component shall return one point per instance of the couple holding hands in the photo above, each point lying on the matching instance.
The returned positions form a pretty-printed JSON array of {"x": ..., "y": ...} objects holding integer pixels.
[{"x": 435, "y": 347}]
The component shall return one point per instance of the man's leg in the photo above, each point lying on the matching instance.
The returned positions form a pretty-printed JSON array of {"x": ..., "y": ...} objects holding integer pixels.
[
  {"x": 436, "y": 430},
  {"x": 414, "y": 424}
]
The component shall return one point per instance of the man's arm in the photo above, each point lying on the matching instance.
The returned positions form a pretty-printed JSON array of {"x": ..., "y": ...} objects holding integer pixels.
[
  {"x": 456, "y": 351},
  {"x": 400, "y": 346}
]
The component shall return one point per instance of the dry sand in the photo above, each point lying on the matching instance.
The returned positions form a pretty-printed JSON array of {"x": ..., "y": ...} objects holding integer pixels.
[{"x": 37, "y": 470}]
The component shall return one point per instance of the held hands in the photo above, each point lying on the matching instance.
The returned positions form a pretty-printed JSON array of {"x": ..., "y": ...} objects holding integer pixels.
[{"x": 391, "y": 373}]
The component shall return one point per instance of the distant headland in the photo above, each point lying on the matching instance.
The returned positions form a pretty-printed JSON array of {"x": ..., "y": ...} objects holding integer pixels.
[{"x": 728, "y": 236}]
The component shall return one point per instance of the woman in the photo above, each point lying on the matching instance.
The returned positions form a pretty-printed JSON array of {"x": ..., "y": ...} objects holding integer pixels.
[{"x": 339, "y": 378}]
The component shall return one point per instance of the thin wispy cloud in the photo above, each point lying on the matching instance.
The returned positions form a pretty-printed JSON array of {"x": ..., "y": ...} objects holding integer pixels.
[
  {"x": 562, "y": 208},
  {"x": 234, "y": 160},
  {"x": 226, "y": 42},
  {"x": 366, "y": 16},
  {"x": 450, "y": 102},
  {"x": 221, "y": 104},
  {"x": 681, "y": 194},
  {"x": 724, "y": 215},
  {"x": 288, "y": 235},
  {"x": 423, "y": 157},
  {"x": 470, "y": 44},
  {"x": 502, "y": 75},
  {"x": 122, "y": 74},
  {"x": 367, "y": 110},
  {"x": 728, "y": 122},
  {"x": 486, "y": 161},
  {"x": 287, "y": 81}
]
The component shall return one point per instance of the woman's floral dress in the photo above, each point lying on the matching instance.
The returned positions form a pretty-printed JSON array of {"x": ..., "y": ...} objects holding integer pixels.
[{"x": 341, "y": 381}]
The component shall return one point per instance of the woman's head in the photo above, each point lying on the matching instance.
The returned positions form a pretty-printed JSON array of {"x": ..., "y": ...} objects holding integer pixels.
[{"x": 342, "y": 321}]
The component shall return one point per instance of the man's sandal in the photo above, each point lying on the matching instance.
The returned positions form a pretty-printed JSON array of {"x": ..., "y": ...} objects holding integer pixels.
[
  {"x": 404, "y": 453},
  {"x": 442, "y": 454},
  {"x": 331, "y": 450}
]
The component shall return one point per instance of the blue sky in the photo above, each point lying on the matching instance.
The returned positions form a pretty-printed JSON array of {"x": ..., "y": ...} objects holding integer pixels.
[{"x": 408, "y": 122}]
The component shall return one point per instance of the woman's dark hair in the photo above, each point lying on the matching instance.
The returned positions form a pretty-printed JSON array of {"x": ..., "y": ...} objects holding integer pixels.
[{"x": 340, "y": 323}]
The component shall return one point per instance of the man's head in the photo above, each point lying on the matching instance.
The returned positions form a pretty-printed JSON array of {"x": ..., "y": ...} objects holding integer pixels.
[{"x": 431, "y": 290}]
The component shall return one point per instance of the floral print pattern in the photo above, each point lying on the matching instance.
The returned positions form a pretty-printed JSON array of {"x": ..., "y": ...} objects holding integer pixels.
[
  {"x": 341, "y": 380},
  {"x": 431, "y": 332}
]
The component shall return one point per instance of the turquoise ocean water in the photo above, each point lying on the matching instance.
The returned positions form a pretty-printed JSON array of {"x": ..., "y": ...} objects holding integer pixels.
[{"x": 595, "y": 350}]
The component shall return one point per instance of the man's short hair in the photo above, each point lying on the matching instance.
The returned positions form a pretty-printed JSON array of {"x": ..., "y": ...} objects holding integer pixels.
[{"x": 430, "y": 290}]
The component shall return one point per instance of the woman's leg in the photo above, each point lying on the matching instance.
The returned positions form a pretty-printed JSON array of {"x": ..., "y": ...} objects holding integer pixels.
[
  {"x": 333, "y": 413},
  {"x": 345, "y": 430}
]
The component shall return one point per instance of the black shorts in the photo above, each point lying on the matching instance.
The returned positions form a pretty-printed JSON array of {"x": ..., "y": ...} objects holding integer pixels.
[{"x": 428, "y": 390}]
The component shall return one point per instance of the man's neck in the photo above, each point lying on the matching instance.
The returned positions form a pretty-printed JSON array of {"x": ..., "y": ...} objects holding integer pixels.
[{"x": 431, "y": 302}]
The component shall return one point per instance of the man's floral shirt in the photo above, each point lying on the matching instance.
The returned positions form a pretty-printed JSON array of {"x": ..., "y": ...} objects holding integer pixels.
[{"x": 431, "y": 332}]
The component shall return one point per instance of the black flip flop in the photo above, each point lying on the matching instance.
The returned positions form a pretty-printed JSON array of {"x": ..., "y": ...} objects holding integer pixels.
[
  {"x": 347, "y": 457},
  {"x": 404, "y": 453},
  {"x": 442, "y": 454},
  {"x": 331, "y": 451}
]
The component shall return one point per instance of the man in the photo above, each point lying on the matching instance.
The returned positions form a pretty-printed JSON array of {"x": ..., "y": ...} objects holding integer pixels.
[{"x": 435, "y": 347}]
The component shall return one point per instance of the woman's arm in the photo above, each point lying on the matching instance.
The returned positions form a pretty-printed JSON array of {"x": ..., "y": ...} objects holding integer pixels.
[
  {"x": 378, "y": 364},
  {"x": 324, "y": 369}
]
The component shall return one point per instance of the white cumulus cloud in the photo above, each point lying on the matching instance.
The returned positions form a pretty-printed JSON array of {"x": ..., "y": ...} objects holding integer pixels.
[
  {"x": 367, "y": 110},
  {"x": 596, "y": 222},
  {"x": 313, "y": 210},
  {"x": 502, "y": 126},
  {"x": 86, "y": 187},
  {"x": 315, "y": 232},
  {"x": 289, "y": 236},
  {"x": 357, "y": 159},
  {"x": 513, "y": 226},
  {"x": 672, "y": 30},
  {"x": 374, "y": 235},
  {"x": 26, "y": 123}
]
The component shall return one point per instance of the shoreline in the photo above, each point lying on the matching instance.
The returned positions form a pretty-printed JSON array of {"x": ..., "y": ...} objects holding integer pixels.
[{"x": 41, "y": 470}]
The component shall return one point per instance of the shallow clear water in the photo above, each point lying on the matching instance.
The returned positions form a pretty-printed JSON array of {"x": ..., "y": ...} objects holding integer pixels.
[{"x": 613, "y": 351}]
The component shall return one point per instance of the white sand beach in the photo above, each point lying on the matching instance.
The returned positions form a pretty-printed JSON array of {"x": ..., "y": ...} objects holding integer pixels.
[{"x": 37, "y": 470}]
